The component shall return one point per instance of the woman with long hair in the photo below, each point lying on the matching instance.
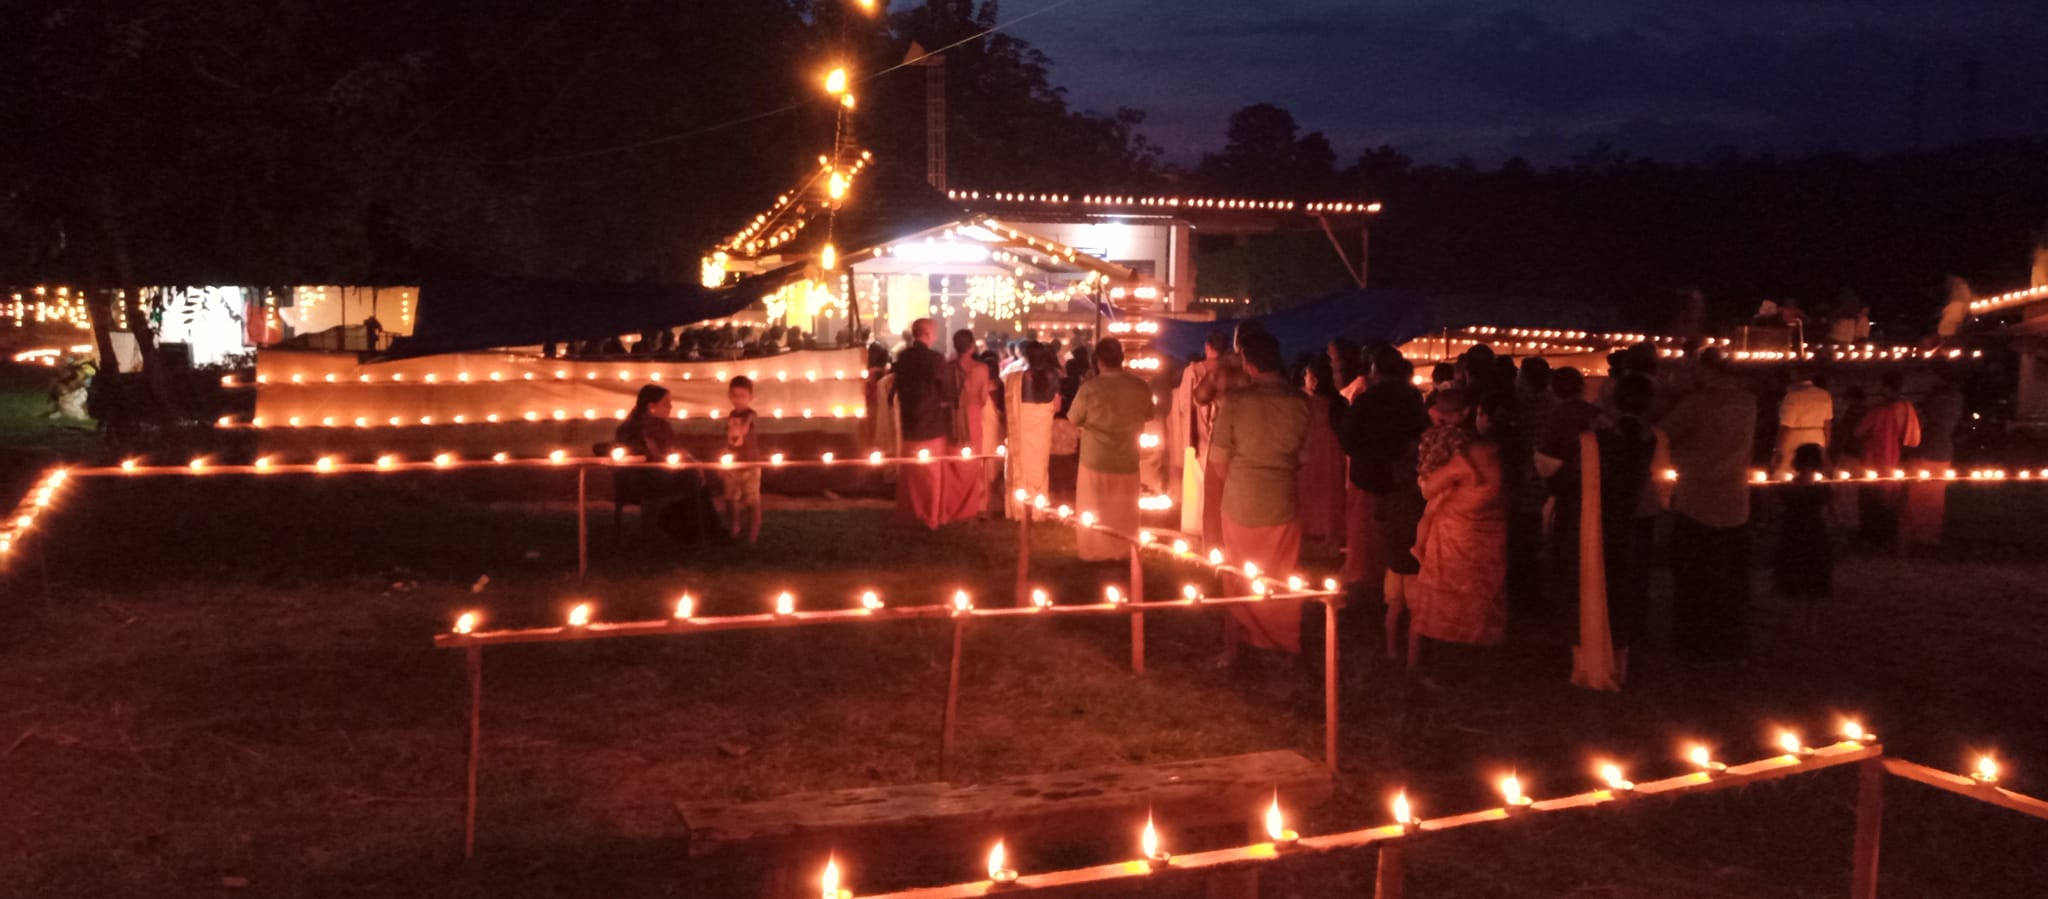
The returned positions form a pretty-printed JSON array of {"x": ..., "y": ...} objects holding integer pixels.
[{"x": 1032, "y": 395}]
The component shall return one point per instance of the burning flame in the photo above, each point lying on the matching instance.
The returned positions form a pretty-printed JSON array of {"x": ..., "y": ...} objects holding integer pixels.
[
  {"x": 1402, "y": 812},
  {"x": 1611, "y": 773},
  {"x": 1039, "y": 599},
  {"x": 1987, "y": 768},
  {"x": 875, "y": 458},
  {"x": 1087, "y": 519},
  {"x": 1145, "y": 538},
  {"x": 1180, "y": 547},
  {"x": 1294, "y": 583},
  {"x": 1251, "y": 569},
  {"x": 996, "y": 861},
  {"x": 870, "y": 600},
  {"x": 1275, "y": 827},
  {"x": 579, "y": 616},
  {"x": 1789, "y": 742},
  {"x": 829, "y": 882},
  {"x": 1215, "y": 557},
  {"x": 1329, "y": 583},
  {"x": 466, "y": 623},
  {"x": 1066, "y": 512},
  {"x": 923, "y": 455},
  {"x": 785, "y": 604},
  {"x": 686, "y": 607},
  {"x": 961, "y": 601},
  {"x": 1112, "y": 594},
  {"x": 1189, "y": 591},
  {"x": 1511, "y": 789},
  {"x": 1148, "y": 841},
  {"x": 1699, "y": 756}
]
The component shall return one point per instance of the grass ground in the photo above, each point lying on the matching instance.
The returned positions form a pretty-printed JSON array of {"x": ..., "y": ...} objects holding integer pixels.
[{"x": 229, "y": 688}]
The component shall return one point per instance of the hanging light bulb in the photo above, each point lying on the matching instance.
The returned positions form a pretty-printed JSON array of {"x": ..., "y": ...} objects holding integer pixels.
[
  {"x": 835, "y": 81},
  {"x": 828, "y": 258}
]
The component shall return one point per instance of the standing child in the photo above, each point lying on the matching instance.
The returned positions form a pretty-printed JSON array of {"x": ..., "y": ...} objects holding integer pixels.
[
  {"x": 743, "y": 485},
  {"x": 1805, "y": 564}
]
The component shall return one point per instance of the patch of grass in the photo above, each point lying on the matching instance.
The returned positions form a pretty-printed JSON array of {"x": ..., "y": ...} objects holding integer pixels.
[{"x": 235, "y": 679}]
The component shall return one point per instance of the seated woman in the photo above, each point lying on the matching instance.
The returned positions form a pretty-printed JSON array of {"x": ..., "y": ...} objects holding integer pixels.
[{"x": 675, "y": 500}]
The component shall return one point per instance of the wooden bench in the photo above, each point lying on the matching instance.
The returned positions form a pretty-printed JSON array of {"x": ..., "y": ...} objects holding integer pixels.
[{"x": 953, "y": 825}]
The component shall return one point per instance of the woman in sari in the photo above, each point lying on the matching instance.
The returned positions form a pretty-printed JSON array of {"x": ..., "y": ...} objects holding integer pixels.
[
  {"x": 1611, "y": 515},
  {"x": 1322, "y": 470},
  {"x": 1460, "y": 593},
  {"x": 975, "y": 411},
  {"x": 1032, "y": 396}
]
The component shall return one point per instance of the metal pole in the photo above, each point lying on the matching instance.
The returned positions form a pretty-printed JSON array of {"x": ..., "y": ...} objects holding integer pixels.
[
  {"x": 1391, "y": 877},
  {"x": 582, "y": 523},
  {"x": 1869, "y": 823},
  {"x": 475, "y": 658},
  {"x": 1137, "y": 618},
  {"x": 952, "y": 704},
  {"x": 1023, "y": 555},
  {"x": 1330, "y": 713}
]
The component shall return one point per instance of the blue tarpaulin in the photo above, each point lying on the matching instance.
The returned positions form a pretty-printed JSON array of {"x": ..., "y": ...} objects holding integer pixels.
[{"x": 1393, "y": 316}]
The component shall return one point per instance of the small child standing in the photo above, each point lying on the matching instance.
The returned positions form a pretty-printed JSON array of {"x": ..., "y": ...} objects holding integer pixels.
[
  {"x": 743, "y": 485},
  {"x": 1805, "y": 571}
]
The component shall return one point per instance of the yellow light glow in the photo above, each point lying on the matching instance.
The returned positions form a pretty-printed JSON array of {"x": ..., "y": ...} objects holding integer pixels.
[
  {"x": 870, "y": 600},
  {"x": 785, "y": 603},
  {"x": 835, "y": 82},
  {"x": 1112, "y": 594},
  {"x": 1789, "y": 742},
  {"x": 686, "y": 607},
  {"x": 1987, "y": 769},
  {"x": 829, "y": 881},
  {"x": 828, "y": 257},
  {"x": 1700, "y": 757},
  {"x": 324, "y": 463},
  {"x": 1148, "y": 839},
  {"x": 1276, "y": 826},
  {"x": 466, "y": 623},
  {"x": 1039, "y": 599},
  {"x": 579, "y": 615},
  {"x": 1610, "y": 774},
  {"x": 1403, "y": 812},
  {"x": 996, "y": 868},
  {"x": 1511, "y": 789}
]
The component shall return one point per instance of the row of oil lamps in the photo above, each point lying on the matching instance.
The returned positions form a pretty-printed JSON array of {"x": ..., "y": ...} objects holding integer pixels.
[{"x": 1513, "y": 801}]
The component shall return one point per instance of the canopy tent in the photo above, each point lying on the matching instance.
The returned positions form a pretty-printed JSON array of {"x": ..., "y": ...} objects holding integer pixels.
[
  {"x": 1393, "y": 316},
  {"x": 462, "y": 315}
]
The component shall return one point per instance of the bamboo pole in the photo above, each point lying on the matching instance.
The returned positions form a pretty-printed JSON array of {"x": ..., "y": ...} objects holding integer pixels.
[
  {"x": 1330, "y": 680},
  {"x": 952, "y": 717},
  {"x": 1137, "y": 598},
  {"x": 1391, "y": 875},
  {"x": 1869, "y": 827},
  {"x": 475, "y": 660},
  {"x": 1023, "y": 595},
  {"x": 582, "y": 523},
  {"x": 1970, "y": 787}
]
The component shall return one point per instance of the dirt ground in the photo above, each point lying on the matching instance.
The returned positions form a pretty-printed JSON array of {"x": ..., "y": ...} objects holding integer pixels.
[{"x": 229, "y": 689}]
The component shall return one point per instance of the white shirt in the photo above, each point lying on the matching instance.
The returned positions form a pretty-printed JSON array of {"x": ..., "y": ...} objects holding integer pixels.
[{"x": 1806, "y": 408}]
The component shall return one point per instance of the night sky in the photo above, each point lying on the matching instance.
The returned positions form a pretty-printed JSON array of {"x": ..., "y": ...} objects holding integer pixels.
[{"x": 1489, "y": 80}]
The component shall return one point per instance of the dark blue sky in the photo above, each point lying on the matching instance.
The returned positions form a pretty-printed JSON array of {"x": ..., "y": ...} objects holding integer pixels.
[{"x": 1491, "y": 79}]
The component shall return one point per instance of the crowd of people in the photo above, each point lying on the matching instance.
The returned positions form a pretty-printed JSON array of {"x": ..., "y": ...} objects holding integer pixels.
[{"x": 1508, "y": 503}]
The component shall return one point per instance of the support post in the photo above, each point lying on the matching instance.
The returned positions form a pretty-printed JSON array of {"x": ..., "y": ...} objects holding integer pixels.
[
  {"x": 952, "y": 716},
  {"x": 1391, "y": 878},
  {"x": 1870, "y": 776},
  {"x": 1330, "y": 713},
  {"x": 1137, "y": 618},
  {"x": 1023, "y": 555},
  {"x": 582, "y": 523},
  {"x": 475, "y": 662}
]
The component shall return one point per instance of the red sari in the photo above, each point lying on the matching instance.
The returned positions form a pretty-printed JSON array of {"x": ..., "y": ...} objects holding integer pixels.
[{"x": 1460, "y": 593}]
